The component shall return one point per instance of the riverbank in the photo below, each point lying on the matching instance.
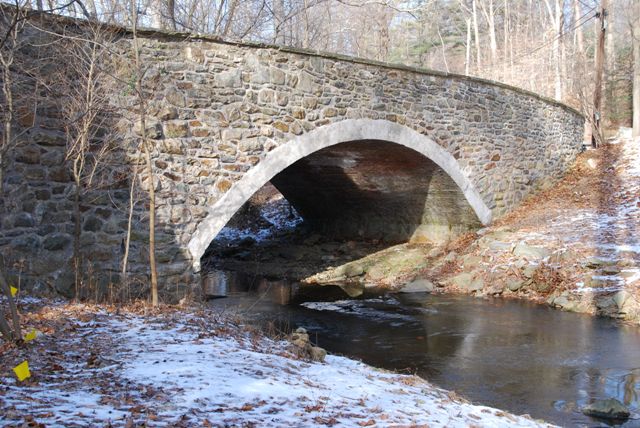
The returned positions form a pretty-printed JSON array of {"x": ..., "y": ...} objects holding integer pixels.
[
  {"x": 98, "y": 365},
  {"x": 574, "y": 246}
]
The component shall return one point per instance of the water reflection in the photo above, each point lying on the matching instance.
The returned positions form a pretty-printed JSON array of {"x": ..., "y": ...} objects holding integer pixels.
[
  {"x": 513, "y": 355},
  {"x": 247, "y": 290}
]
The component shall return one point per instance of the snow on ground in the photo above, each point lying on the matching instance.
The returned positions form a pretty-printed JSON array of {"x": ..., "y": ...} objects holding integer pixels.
[
  {"x": 609, "y": 231},
  {"x": 184, "y": 372},
  {"x": 278, "y": 214}
]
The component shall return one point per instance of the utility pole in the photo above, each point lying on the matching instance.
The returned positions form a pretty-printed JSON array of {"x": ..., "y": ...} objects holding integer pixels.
[{"x": 597, "y": 137}]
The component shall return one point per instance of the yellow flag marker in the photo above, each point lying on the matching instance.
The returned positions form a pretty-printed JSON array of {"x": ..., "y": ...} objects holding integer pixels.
[
  {"x": 22, "y": 370},
  {"x": 31, "y": 335},
  {"x": 14, "y": 291}
]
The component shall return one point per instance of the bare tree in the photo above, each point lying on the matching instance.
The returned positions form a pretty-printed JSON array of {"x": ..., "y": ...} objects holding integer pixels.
[
  {"x": 85, "y": 107},
  {"x": 557, "y": 19},
  {"x": 146, "y": 149},
  {"x": 476, "y": 33},
  {"x": 489, "y": 16},
  {"x": 12, "y": 22}
]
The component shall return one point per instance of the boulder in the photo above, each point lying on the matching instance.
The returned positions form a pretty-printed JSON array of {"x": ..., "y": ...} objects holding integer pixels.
[
  {"x": 304, "y": 348},
  {"x": 418, "y": 286},
  {"x": 530, "y": 252},
  {"x": 317, "y": 354},
  {"x": 505, "y": 234},
  {"x": 561, "y": 301},
  {"x": 350, "y": 270},
  {"x": 529, "y": 271},
  {"x": 610, "y": 270},
  {"x": 471, "y": 261},
  {"x": 608, "y": 409},
  {"x": 451, "y": 257},
  {"x": 515, "y": 284},
  {"x": 594, "y": 282},
  {"x": 435, "y": 252},
  {"x": 596, "y": 262},
  {"x": 467, "y": 281},
  {"x": 626, "y": 305},
  {"x": 565, "y": 255},
  {"x": 498, "y": 246},
  {"x": 542, "y": 287}
]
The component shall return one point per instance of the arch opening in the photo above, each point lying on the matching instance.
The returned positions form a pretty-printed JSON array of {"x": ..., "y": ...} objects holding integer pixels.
[
  {"x": 377, "y": 191},
  {"x": 370, "y": 179}
]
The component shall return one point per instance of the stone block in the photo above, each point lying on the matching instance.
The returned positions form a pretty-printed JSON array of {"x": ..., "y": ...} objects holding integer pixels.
[
  {"x": 176, "y": 129},
  {"x": 277, "y": 76},
  {"x": 56, "y": 241},
  {"x": 152, "y": 127}
]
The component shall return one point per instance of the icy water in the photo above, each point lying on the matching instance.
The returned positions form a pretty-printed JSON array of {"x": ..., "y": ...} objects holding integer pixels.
[{"x": 512, "y": 355}]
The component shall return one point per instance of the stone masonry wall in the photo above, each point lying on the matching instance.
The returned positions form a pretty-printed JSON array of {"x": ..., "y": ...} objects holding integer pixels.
[{"x": 217, "y": 108}]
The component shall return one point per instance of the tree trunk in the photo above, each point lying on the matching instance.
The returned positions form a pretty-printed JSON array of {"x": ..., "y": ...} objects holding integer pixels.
[
  {"x": 578, "y": 31},
  {"x": 92, "y": 9},
  {"x": 563, "y": 48},
  {"x": 127, "y": 243},
  {"x": 5, "y": 330},
  {"x": 611, "y": 102},
  {"x": 155, "y": 13},
  {"x": 505, "y": 26},
  {"x": 468, "y": 52},
  {"x": 491, "y": 22},
  {"x": 6, "y": 289},
  {"x": 76, "y": 236},
  {"x": 233, "y": 6},
  {"x": 278, "y": 22},
  {"x": 1, "y": 179},
  {"x": 306, "y": 39},
  {"x": 171, "y": 12},
  {"x": 476, "y": 33},
  {"x": 8, "y": 120},
  {"x": 152, "y": 227},
  {"x": 636, "y": 68},
  {"x": 142, "y": 112}
]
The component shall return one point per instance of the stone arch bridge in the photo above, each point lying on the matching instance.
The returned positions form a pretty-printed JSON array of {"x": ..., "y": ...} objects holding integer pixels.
[{"x": 358, "y": 147}]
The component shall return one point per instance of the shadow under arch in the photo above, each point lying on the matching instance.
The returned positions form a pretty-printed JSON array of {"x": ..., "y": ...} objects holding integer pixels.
[{"x": 326, "y": 136}]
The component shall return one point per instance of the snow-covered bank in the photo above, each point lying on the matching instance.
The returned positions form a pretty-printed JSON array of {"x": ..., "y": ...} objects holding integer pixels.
[{"x": 96, "y": 368}]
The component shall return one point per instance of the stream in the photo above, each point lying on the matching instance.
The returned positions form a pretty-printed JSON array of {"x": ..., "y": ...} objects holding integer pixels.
[{"x": 513, "y": 355}]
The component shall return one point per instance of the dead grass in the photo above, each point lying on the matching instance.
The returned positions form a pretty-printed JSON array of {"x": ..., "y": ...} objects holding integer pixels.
[
  {"x": 555, "y": 278},
  {"x": 461, "y": 243}
]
